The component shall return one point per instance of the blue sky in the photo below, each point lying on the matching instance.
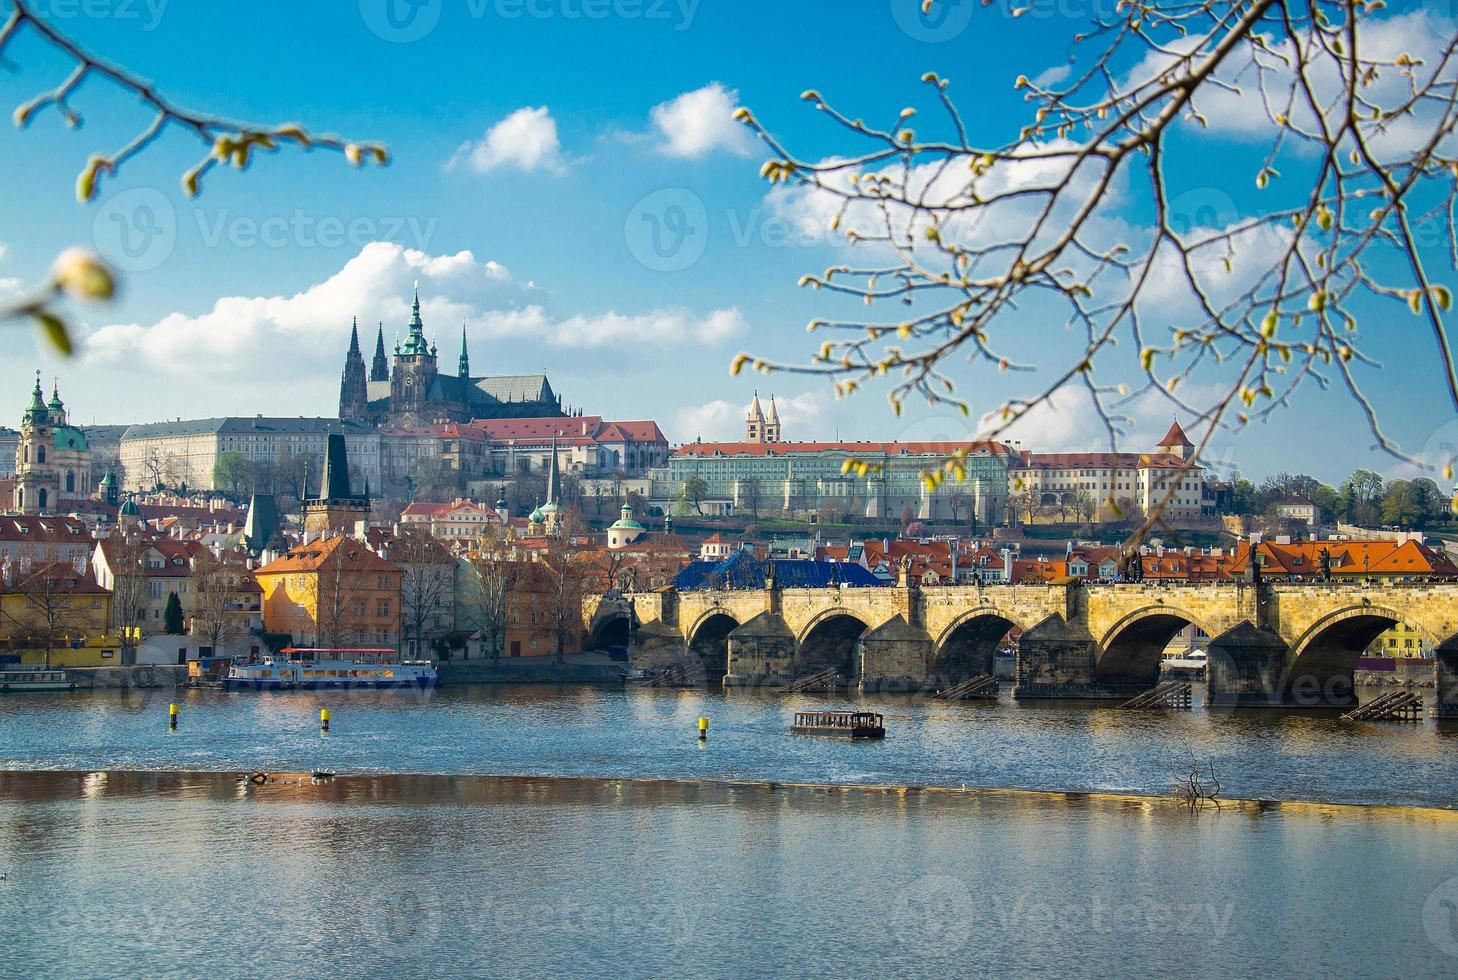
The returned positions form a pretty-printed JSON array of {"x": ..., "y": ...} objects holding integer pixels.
[{"x": 612, "y": 126}]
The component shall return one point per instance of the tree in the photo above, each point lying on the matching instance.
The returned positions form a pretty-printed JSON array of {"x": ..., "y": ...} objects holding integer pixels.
[
  {"x": 1243, "y": 497},
  {"x": 1360, "y": 497},
  {"x": 495, "y": 572},
  {"x": 966, "y": 233},
  {"x": 565, "y": 576},
  {"x": 153, "y": 465},
  {"x": 1402, "y": 504},
  {"x": 432, "y": 480},
  {"x": 127, "y": 559},
  {"x": 80, "y": 274},
  {"x": 1084, "y": 506},
  {"x": 232, "y": 472},
  {"x": 693, "y": 492},
  {"x": 217, "y": 601},
  {"x": 53, "y": 608},
  {"x": 172, "y": 615},
  {"x": 427, "y": 585},
  {"x": 339, "y": 613},
  {"x": 749, "y": 494}
]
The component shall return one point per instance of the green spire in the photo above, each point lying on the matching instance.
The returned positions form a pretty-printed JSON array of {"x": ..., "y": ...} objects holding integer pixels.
[
  {"x": 415, "y": 343},
  {"x": 463, "y": 366},
  {"x": 37, "y": 412}
]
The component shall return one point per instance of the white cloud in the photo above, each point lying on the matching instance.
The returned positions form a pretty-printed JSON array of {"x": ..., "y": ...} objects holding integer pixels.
[
  {"x": 640, "y": 331},
  {"x": 804, "y": 418},
  {"x": 4, "y": 250},
  {"x": 696, "y": 123},
  {"x": 525, "y": 140},
  {"x": 1066, "y": 422},
  {"x": 245, "y": 339}
]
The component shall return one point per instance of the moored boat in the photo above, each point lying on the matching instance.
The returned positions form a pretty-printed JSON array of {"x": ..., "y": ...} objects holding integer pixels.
[
  {"x": 297, "y": 669},
  {"x": 846, "y": 724},
  {"x": 17, "y": 679}
]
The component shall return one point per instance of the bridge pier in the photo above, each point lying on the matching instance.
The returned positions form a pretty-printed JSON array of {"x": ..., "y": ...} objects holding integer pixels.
[
  {"x": 1445, "y": 656},
  {"x": 1057, "y": 659},
  {"x": 1245, "y": 667},
  {"x": 894, "y": 657},
  {"x": 761, "y": 653},
  {"x": 656, "y": 645}
]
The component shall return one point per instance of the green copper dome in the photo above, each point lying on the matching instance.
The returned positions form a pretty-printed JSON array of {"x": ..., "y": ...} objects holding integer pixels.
[
  {"x": 128, "y": 508},
  {"x": 37, "y": 412}
]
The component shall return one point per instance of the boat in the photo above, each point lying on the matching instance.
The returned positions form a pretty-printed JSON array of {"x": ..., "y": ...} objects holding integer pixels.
[
  {"x": 16, "y": 679},
  {"x": 299, "y": 669},
  {"x": 846, "y": 724},
  {"x": 1192, "y": 665}
]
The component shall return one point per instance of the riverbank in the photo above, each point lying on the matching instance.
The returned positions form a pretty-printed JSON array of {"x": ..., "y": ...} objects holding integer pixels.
[
  {"x": 31, "y": 785},
  {"x": 529, "y": 671}
]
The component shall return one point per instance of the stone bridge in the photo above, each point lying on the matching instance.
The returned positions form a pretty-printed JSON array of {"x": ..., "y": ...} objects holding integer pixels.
[{"x": 1272, "y": 643}]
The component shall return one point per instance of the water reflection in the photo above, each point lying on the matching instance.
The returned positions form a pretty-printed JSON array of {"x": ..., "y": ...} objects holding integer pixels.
[{"x": 152, "y": 873}]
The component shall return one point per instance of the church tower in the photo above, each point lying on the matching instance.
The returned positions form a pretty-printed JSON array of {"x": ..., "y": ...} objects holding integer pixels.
[
  {"x": 354, "y": 396},
  {"x": 413, "y": 379},
  {"x": 754, "y": 422},
  {"x": 772, "y": 423},
  {"x": 336, "y": 508},
  {"x": 37, "y": 483},
  {"x": 379, "y": 367},
  {"x": 463, "y": 366}
]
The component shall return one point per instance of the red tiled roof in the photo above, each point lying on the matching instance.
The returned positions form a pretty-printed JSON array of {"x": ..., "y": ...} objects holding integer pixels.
[
  {"x": 1175, "y": 437},
  {"x": 888, "y": 448}
]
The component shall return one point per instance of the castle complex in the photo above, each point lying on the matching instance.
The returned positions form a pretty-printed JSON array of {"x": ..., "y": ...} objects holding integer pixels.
[{"x": 410, "y": 391}]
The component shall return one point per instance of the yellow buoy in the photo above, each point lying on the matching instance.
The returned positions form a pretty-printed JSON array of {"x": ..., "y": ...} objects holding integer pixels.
[
  {"x": 703, "y": 729},
  {"x": 172, "y": 715},
  {"x": 324, "y": 719}
]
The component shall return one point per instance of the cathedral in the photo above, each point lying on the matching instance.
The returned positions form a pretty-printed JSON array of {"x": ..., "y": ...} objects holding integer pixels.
[
  {"x": 53, "y": 461},
  {"x": 409, "y": 391}
]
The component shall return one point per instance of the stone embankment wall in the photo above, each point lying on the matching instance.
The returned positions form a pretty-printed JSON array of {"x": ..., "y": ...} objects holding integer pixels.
[{"x": 127, "y": 678}]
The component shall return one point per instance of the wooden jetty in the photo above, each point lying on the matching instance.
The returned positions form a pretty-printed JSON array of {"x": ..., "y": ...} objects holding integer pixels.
[
  {"x": 821, "y": 682},
  {"x": 1396, "y": 706},
  {"x": 983, "y": 687},
  {"x": 1170, "y": 694}
]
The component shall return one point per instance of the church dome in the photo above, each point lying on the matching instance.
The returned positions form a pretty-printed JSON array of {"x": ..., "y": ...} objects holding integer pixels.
[
  {"x": 128, "y": 509},
  {"x": 537, "y": 516}
]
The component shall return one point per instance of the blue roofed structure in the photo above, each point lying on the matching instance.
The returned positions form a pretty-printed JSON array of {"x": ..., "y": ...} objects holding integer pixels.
[{"x": 742, "y": 570}]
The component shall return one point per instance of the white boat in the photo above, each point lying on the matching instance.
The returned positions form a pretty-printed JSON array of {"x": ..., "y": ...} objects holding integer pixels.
[
  {"x": 297, "y": 669},
  {"x": 16, "y": 679},
  {"x": 1192, "y": 663}
]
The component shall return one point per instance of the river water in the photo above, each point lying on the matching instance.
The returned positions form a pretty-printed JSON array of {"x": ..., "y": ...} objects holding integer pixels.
[
  {"x": 583, "y": 831},
  {"x": 585, "y": 731},
  {"x": 148, "y": 874}
]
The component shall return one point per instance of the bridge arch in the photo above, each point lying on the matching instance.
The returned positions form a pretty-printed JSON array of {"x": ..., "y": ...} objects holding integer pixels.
[
  {"x": 1131, "y": 650},
  {"x": 708, "y": 639},
  {"x": 611, "y": 626},
  {"x": 829, "y": 640},
  {"x": 967, "y": 646},
  {"x": 1320, "y": 662}
]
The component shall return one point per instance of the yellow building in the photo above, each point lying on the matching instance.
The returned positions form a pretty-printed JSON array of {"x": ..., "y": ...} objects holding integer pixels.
[
  {"x": 51, "y": 613},
  {"x": 332, "y": 593},
  {"x": 1401, "y": 641}
]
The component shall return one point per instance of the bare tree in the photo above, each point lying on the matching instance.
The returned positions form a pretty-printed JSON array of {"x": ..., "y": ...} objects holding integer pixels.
[
  {"x": 339, "y": 588},
  {"x": 496, "y": 573},
  {"x": 228, "y": 141},
  {"x": 55, "y": 608},
  {"x": 127, "y": 559},
  {"x": 565, "y": 575},
  {"x": 961, "y": 231},
  {"x": 217, "y": 602},
  {"x": 427, "y": 585}
]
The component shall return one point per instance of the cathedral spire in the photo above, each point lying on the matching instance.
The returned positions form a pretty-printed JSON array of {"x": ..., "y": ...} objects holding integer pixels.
[
  {"x": 553, "y": 488},
  {"x": 380, "y": 368},
  {"x": 354, "y": 338},
  {"x": 463, "y": 367}
]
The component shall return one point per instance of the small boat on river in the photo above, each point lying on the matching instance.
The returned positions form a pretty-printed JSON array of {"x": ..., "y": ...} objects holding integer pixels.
[
  {"x": 296, "y": 669},
  {"x": 845, "y": 724},
  {"x": 17, "y": 679}
]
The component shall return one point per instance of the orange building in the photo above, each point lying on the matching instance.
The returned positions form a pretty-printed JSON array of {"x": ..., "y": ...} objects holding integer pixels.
[{"x": 335, "y": 592}]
